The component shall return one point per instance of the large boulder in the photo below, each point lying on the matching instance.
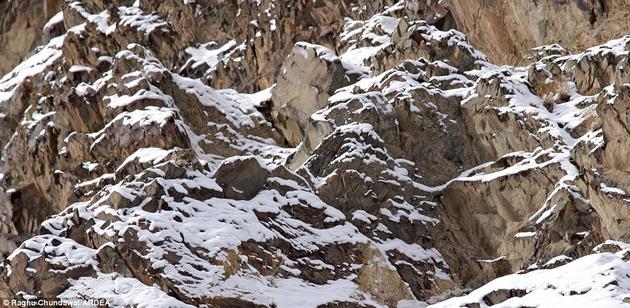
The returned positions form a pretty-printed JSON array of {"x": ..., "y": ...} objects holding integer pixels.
[{"x": 310, "y": 75}]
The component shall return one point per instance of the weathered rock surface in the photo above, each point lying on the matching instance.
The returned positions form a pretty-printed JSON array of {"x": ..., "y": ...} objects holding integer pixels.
[
  {"x": 505, "y": 30},
  {"x": 25, "y": 25},
  {"x": 310, "y": 75},
  {"x": 316, "y": 154}
]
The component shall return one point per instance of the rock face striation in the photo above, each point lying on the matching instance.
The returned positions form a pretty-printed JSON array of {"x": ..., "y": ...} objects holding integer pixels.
[
  {"x": 315, "y": 153},
  {"x": 505, "y": 29}
]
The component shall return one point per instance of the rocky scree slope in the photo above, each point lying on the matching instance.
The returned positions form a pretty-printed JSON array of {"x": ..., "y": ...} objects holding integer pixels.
[{"x": 167, "y": 154}]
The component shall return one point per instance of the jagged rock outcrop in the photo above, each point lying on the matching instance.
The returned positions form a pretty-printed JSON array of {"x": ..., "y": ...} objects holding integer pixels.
[{"x": 315, "y": 154}]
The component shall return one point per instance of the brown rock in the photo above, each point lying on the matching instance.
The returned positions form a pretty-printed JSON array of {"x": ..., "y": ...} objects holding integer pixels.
[{"x": 310, "y": 75}]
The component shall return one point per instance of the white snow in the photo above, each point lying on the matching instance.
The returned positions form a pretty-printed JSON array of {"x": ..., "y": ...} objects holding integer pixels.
[
  {"x": 599, "y": 280},
  {"x": 611, "y": 190},
  {"x": 133, "y": 17},
  {"x": 57, "y": 18},
  {"x": 146, "y": 155},
  {"x": 357, "y": 31},
  {"x": 32, "y": 66},
  {"x": 209, "y": 54},
  {"x": 119, "y": 292},
  {"x": 524, "y": 234}
]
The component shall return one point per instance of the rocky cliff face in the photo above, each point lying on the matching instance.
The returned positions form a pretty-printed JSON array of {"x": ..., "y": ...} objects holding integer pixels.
[
  {"x": 316, "y": 154},
  {"x": 23, "y": 27},
  {"x": 505, "y": 30}
]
